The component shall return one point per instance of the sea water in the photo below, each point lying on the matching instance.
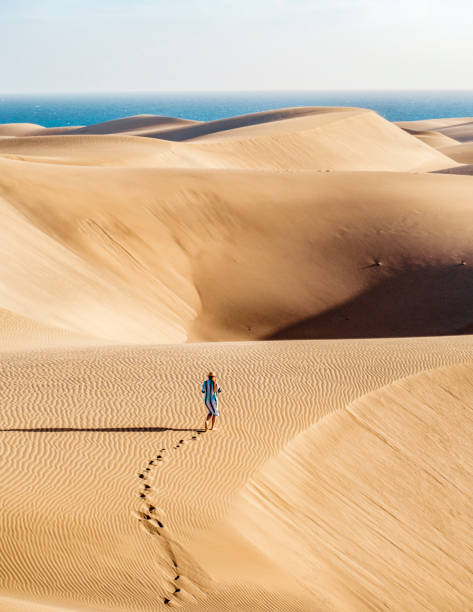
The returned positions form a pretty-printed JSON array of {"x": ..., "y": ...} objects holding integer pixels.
[{"x": 53, "y": 110}]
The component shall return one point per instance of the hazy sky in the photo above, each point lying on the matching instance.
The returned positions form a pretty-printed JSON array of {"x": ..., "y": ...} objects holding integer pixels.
[{"x": 152, "y": 45}]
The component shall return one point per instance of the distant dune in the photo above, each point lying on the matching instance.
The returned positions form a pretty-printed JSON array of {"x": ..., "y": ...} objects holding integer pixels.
[
  {"x": 462, "y": 132},
  {"x": 460, "y": 152},
  {"x": 139, "y": 124},
  {"x": 434, "y": 139},
  {"x": 288, "y": 139},
  {"x": 31, "y": 129},
  {"x": 439, "y": 124},
  {"x": 143, "y": 228},
  {"x": 313, "y": 257},
  {"x": 452, "y": 137}
]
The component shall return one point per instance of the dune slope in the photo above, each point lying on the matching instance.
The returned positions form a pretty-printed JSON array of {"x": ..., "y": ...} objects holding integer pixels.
[
  {"x": 434, "y": 139},
  {"x": 460, "y": 152},
  {"x": 372, "y": 506},
  {"x": 161, "y": 240},
  {"x": 79, "y": 427}
]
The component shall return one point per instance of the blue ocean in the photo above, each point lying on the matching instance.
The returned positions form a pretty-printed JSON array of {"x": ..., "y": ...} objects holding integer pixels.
[{"x": 85, "y": 109}]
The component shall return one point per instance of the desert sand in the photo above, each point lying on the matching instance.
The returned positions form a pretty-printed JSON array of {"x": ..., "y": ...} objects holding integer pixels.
[
  {"x": 319, "y": 260},
  {"x": 452, "y": 137}
]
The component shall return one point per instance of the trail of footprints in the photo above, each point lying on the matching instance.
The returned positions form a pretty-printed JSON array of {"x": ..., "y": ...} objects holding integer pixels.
[{"x": 151, "y": 519}]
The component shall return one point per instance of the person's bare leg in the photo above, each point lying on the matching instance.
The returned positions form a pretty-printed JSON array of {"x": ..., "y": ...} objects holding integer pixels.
[
  {"x": 207, "y": 421},
  {"x": 213, "y": 421}
]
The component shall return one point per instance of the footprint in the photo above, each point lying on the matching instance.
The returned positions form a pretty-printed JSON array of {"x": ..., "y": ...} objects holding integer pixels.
[
  {"x": 150, "y": 528},
  {"x": 187, "y": 590}
]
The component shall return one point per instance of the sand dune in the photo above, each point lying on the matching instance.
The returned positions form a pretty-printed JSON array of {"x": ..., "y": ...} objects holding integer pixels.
[
  {"x": 370, "y": 531},
  {"x": 78, "y": 472},
  {"x": 32, "y": 129},
  {"x": 136, "y": 238},
  {"x": 351, "y": 139},
  {"x": 126, "y": 125},
  {"x": 433, "y": 124},
  {"x": 98, "y": 150},
  {"x": 289, "y": 139},
  {"x": 21, "y": 333},
  {"x": 462, "y": 132},
  {"x": 340, "y": 477},
  {"x": 434, "y": 139},
  {"x": 136, "y": 125},
  {"x": 19, "y": 129},
  {"x": 459, "y": 129},
  {"x": 462, "y": 153},
  {"x": 279, "y": 119}
]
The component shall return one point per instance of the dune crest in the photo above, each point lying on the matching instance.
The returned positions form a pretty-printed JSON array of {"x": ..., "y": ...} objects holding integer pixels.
[{"x": 371, "y": 530}]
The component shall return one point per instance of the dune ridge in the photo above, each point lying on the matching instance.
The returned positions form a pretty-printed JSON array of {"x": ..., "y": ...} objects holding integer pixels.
[{"x": 351, "y": 512}]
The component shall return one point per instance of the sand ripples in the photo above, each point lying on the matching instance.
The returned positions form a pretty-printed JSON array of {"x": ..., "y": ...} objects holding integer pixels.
[{"x": 122, "y": 405}]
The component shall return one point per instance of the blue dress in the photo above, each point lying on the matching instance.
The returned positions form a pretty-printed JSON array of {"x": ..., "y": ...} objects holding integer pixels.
[{"x": 211, "y": 397}]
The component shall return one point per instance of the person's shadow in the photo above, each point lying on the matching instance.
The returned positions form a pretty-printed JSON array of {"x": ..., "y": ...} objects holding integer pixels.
[{"x": 99, "y": 429}]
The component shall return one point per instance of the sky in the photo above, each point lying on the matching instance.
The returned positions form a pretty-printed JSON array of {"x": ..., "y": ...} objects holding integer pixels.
[{"x": 53, "y": 46}]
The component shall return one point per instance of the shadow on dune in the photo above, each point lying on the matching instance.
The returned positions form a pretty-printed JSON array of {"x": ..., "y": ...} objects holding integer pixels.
[
  {"x": 100, "y": 429},
  {"x": 231, "y": 123},
  {"x": 466, "y": 170},
  {"x": 423, "y": 302}
]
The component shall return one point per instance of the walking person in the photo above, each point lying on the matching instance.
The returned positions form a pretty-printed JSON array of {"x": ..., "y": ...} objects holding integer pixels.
[{"x": 211, "y": 391}]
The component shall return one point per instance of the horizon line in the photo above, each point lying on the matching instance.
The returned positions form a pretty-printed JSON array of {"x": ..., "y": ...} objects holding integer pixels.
[{"x": 227, "y": 91}]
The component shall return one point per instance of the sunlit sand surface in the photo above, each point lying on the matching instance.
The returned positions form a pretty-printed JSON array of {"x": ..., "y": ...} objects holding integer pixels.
[{"x": 319, "y": 260}]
